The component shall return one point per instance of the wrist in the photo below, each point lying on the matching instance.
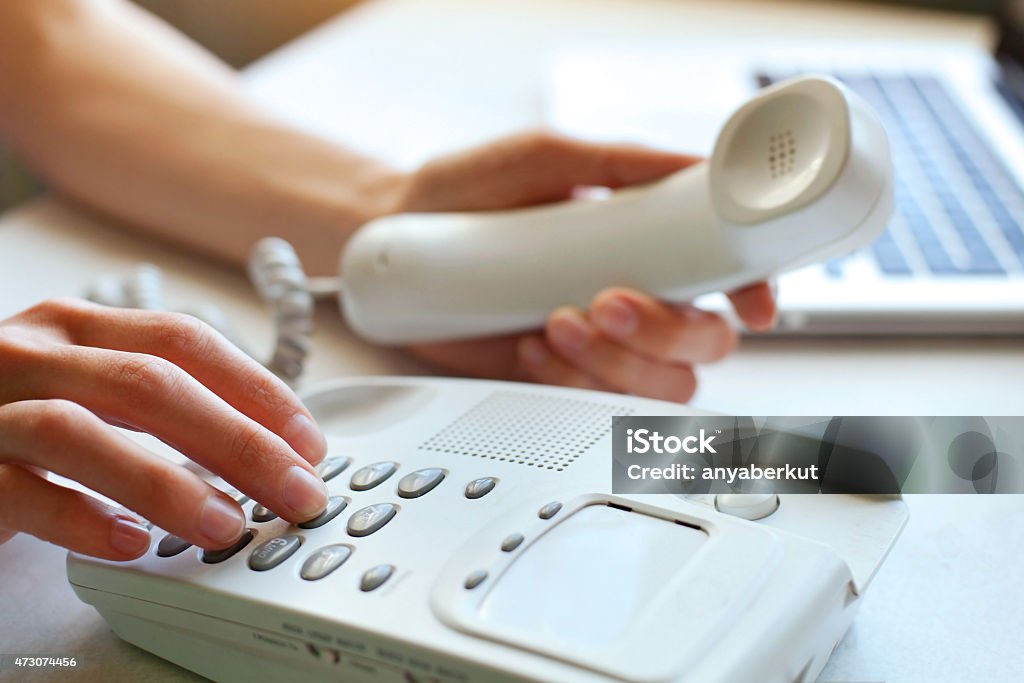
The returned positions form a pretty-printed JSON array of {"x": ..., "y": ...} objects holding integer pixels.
[{"x": 334, "y": 204}]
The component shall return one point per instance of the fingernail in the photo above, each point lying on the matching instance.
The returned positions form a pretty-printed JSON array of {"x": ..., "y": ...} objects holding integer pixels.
[
  {"x": 305, "y": 437},
  {"x": 616, "y": 318},
  {"x": 534, "y": 351},
  {"x": 129, "y": 537},
  {"x": 221, "y": 521},
  {"x": 305, "y": 493},
  {"x": 570, "y": 331}
]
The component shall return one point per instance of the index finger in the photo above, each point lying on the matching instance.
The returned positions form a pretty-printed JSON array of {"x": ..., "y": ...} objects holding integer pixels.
[
  {"x": 161, "y": 399},
  {"x": 208, "y": 357}
]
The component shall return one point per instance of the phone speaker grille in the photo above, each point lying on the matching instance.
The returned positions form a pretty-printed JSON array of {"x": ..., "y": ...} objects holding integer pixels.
[{"x": 527, "y": 429}]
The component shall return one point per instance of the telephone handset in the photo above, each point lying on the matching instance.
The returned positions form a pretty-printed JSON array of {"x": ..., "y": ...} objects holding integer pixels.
[{"x": 800, "y": 174}]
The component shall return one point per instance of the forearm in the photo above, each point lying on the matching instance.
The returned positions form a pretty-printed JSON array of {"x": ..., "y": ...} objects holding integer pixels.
[{"x": 124, "y": 115}]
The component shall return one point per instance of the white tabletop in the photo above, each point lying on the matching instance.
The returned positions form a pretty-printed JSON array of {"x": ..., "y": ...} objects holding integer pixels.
[{"x": 944, "y": 607}]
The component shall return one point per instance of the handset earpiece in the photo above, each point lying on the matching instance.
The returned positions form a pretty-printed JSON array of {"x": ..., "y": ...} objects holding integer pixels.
[
  {"x": 780, "y": 151},
  {"x": 800, "y": 173}
]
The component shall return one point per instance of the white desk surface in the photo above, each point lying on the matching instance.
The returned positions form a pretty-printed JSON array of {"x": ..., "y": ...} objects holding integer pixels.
[{"x": 946, "y": 604}]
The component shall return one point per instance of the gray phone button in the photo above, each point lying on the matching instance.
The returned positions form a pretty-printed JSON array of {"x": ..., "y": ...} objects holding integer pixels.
[
  {"x": 335, "y": 504},
  {"x": 332, "y": 467},
  {"x": 373, "y": 578},
  {"x": 511, "y": 542},
  {"x": 274, "y": 552},
  {"x": 475, "y": 579},
  {"x": 172, "y": 545},
  {"x": 479, "y": 488},
  {"x": 371, "y": 518},
  {"x": 415, "y": 484},
  {"x": 367, "y": 477},
  {"x": 549, "y": 510},
  {"x": 215, "y": 556},
  {"x": 324, "y": 561},
  {"x": 261, "y": 513}
]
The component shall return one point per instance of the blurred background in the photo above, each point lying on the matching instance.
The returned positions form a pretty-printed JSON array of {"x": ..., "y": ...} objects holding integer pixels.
[{"x": 240, "y": 31}]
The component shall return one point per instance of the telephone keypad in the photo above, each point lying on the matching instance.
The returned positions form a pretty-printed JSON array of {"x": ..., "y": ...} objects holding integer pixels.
[{"x": 364, "y": 522}]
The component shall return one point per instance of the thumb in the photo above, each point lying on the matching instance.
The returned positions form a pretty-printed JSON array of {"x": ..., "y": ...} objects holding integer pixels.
[{"x": 534, "y": 168}]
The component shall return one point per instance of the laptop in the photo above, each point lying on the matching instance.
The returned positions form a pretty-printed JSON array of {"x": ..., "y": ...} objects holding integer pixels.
[{"x": 952, "y": 259}]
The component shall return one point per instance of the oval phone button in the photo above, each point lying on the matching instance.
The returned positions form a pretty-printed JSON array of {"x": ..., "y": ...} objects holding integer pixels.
[
  {"x": 215, "y": 556},
  {"x": 335, "y": 504},
  {"x": 373, "y": 578},
  {"x": 371, "y": 518},
  {"x": 415, "y": 484},
  {"x": 324, "y": 561},
  {"x": 750, "y": 506},
  {"x": 367, "y": 477},
  {"x": 478, "y": 488},
  {"x": 274, "y": 552}
]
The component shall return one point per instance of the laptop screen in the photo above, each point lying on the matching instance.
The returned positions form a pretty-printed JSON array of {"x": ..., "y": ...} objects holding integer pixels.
[
  {"x": 1009, "y": 17},
  {"x": 971, "y": 6}
]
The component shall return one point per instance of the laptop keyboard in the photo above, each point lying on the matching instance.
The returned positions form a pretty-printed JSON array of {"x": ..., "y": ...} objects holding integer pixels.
[{"x": 959, "y": 212}]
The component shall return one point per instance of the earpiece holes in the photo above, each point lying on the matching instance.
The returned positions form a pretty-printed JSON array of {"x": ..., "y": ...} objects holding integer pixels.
[{"x": 781, "y": 153}]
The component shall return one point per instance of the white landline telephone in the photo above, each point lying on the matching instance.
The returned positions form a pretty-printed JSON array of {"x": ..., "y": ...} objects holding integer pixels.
[
  {"x": 473, "y": 537},
  {"x": 472, "y": 534}
]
